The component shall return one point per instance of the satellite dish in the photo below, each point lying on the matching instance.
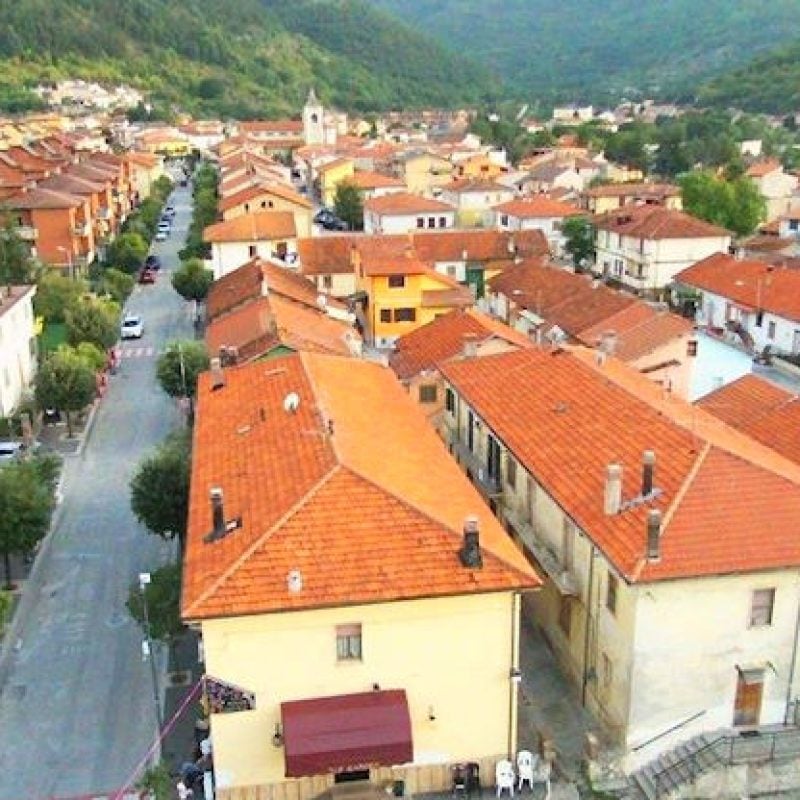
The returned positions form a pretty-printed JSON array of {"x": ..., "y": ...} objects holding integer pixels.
[
  {"x": 291, "y": 402},
  {"x": 294, "y": 581}
]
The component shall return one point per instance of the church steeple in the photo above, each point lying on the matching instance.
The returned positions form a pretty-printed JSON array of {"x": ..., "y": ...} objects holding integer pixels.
[{"x": 313, "y": 119}]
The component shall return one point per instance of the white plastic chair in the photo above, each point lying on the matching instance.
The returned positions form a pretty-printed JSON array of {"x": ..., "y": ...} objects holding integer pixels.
[
  {"x": 526, "y": 767},
  {"x": 504, "y": 777}
]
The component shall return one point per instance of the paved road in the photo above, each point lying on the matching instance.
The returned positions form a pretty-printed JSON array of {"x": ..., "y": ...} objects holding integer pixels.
[{"x": 77, "y": 710}]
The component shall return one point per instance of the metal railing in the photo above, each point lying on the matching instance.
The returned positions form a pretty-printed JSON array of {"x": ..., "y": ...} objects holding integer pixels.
[{"x": 763, "y": 744}]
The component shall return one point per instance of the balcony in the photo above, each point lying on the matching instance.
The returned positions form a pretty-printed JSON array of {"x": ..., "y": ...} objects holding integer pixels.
[
  {"x": 540, "y": 550},
  {"x": 81, "y": 229},
  {"x": 27, "y": 233},
  {"x": 475, "y": 466}
]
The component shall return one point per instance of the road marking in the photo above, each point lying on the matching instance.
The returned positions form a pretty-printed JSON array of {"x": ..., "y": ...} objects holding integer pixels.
[{"x": 137, "y": 352}]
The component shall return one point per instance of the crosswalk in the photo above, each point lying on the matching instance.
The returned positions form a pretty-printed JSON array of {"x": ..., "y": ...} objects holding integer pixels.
[{"x": 128, "y": 351}]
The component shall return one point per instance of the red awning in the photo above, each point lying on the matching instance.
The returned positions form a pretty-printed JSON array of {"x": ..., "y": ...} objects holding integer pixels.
[{"x": 349, "y": 731}]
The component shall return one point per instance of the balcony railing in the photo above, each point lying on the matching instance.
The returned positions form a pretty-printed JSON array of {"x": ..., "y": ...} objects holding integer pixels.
[
  {"x": 27, "y": 232},
  {"x": 477, "y": 468},
  {"x": 540, "y": 550}
]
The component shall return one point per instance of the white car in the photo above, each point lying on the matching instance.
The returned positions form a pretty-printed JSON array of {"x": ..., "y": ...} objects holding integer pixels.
[
  {"x": 161, "y": 236},
  {"x": 132, "y": 327}
]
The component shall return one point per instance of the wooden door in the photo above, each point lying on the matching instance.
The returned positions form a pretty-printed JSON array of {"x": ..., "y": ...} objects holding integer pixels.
[{"x": 749, "y": 690}]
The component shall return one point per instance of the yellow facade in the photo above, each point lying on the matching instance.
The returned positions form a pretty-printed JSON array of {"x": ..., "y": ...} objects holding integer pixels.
[
  {"x": 602, "y": 204},
  {"x": 424, "y": 172},
  {"x": 273, "y": 202},
  {"x": 480, "y": 166},
  {"x": 453, "y": 656},
  {"x": 330, "y": 177},
  {"x": 388, "y": 299}
]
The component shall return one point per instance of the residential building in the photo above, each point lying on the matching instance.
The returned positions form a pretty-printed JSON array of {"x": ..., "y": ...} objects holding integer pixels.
[
  {"x": 479, "y": 166},
  {"x": 422, "y": 171},
  {"x": 645, "y": 247},
  {"x": 789, "y": 225},
  {"x": 375, "y": 184},
  {"x": 612, "y": 196},
  {"x": 550, "y": 175},
  {"x": 322, "y": 570},
  {"x": 776, "y": 186},
  {"x": 330, "y": 175},
  {"x": 263, "y": 234},
  {"x": 399, "y": 293},
  {"x": 459, "y": 334},
  {"x": 17, "y": 346},
  {"x": 259, "y": 196},
  {"x": 404, "y": 212},
  {"x": 146, "y": 169},
  {"x": 641, "y": 510},
  {"x": 750, "y": 301},
  {"x": 474, "y": 200},
  {"x": 537, "y": 213}
]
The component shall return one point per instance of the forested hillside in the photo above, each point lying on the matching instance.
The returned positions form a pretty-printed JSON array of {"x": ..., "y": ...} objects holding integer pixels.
[
  {"x": 770, "y": 84},
  {"x": 240, "y": 58},
  {"x": 582, "y": 49}
]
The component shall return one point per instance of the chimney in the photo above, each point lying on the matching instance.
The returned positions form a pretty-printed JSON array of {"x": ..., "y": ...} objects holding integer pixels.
[
  {"x": 470, "y": 345},
  {"x": 217, "y": 513},
  {"x": 608, "y": 343},
  {"x": 217, "y": 375},
  {"x": 654, "y": 535},
  {"x": 648, "y": 469},
  {"x": 613, "y": 490},
  {"x": 470, "y": 552}
]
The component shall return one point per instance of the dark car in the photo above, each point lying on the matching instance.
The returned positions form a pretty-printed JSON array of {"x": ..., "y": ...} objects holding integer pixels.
[
  {"x": 147, "y": 275},
  {"x": 152, "y": 262},
  {"x": 323, "y": 215},
  {"x": 335, "y": 224}
]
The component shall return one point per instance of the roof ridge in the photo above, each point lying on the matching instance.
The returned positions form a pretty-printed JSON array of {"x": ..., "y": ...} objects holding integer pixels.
[
  {"x": 245, "y": 555},
  {"x": 405, "y": 502}
]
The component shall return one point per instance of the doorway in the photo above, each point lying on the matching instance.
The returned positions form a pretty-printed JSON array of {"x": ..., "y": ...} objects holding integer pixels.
[{"x": 749, "y": 691}]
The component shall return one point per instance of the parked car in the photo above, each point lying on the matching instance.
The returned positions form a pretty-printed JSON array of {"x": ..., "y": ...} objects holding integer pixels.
[
  {"x": 335, "y": 224},
  {"x": 132, "y": 327},
  {"x": 153, "y": 262},
  {"x": 147, "y": 275},
  {"x": 169, "y": 212},
  {"x": 161, "y": 235},
  {"x": 323, "y": 215},
  {"x": 10, "y": 450}
]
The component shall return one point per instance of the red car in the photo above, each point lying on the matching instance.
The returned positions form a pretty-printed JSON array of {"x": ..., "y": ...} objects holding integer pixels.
[{"x": 147, "y": 275}]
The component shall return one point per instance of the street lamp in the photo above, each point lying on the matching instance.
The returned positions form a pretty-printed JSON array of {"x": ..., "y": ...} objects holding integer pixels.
[
  {"x": 70, "y": 265},
  {"x": 147, "y": 648}
]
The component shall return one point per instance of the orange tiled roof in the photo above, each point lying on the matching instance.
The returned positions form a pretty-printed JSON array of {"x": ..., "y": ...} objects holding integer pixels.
[
  {"x": 537, "y": 207},
  {"x": 768, "y": 413},
  {"x": 253, "y": 227},
  {"x": 315, "y": 493},
  {"x": 250, "y": 328},
  {"x": 474, "y": 185},
  {"x": 405, "y": 203},
  {"x": 310, "y": 329},
  {"x": 329, "y": 165},
  {"x": 454, "y": 297},
  {"x": 644, "y": 190},
  {"x": 43, "y": 198},
  {"x": 752, "y": 283},
  {"x": 72, "y": 184},
  {"x": 656, "y": 222},
  {"x": 762, "y": 168},
  {"x": 272, "y": 125},
  {"x": 363, "y": 179},
  {"x": 566, "y": 420},
  {"x": 257, "y": 189},
  {"x": 443, "y": 339}
]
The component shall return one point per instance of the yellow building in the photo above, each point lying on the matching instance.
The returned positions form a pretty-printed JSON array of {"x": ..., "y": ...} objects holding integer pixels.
[
  {"x": 268, "y": 197},
  {"x": 423, "y": 171},
  {"x": 611, "y": 196},
  {"x": 401, "y": 293},
  {"x": 330, "y": 175},
  {"x": 479, "y": 166},
  {"x": 354, "y": 626}
]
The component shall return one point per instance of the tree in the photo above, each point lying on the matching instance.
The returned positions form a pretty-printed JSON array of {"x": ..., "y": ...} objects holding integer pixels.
[
  {"x": 65, "y": 381},
  {"x": 55, "y": 295},
  {"x": 127, "y": 252},
  {"x": 192, "y": 280},
  {"x": 349, "y": 205},
  {"x": 16, "y": 265},
  {"x": 163, "y": 596},
  {"x": 736, "y": 205},
  {"x": 160, "y": 488},
  {"x": 93, "y": 320},
  {"x": 117, "y": 284},
  {"x": 178, "y": 367},
  {"x": 91, "y": 354},
  {"x": 579, "y": 234},
  {"x": 26, "y": 501}
]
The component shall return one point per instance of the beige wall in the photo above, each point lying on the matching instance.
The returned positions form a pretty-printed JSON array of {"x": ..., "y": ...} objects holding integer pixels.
[{"x": 452, "y": 655}]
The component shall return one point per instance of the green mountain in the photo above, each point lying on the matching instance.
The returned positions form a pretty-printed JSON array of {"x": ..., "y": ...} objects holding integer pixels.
[
  {"x": 589, "y": 50},
  {"x": 770, "y": 83},
  {"x": 240, "y": 58}
]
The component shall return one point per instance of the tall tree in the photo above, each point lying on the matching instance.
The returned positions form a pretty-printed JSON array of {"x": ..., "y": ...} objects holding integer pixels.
[
  {"x": 349, "y": 205},
  {"x": 127, "y": 252},
  {"x": 16, "y": 265},
  {"x": 160, "y": 488},
  {"x": 67, "y": 382},
  {"x": 179, "y": 365},
  {"x": 579, "y": 234},
  {"x": 736, "y": 205},
  {"x": 192, "y": 280},
  {"x": 26, "y": 501},
  {"x": 56, "y": 294},
  {"x": 163, "y": 597},
  {"x": 93, "y": 320}
]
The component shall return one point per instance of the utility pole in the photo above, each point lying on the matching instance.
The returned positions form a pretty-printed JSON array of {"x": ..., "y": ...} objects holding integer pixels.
[{"x": 147, "y": 649}]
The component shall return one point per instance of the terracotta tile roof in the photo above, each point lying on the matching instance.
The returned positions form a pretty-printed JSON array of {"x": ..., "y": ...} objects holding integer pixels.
[
  {"x": 537, "y": 207},
  {"x": 43, "y": 198},
  {"x": 316, "y": 493},
  {"x": 643, "y": 190},
  {"x": 443, "y": 339},
  {"x": 656, "y": 222},
  {"x": 143, "y": 159},
  {"x": 13, "y": 295},
  {"x": 329, "y": 165},
  {"x": 276, "y": 125},
  {"x": 768, "y": 413},
  {"x": 405, "y": 203},
  {"x": 566, "y": 420},
  {"x": 763, "y": 168},
  {"x": 768, "y": 244},
  {"x": 466, "y": 185},
  {"x": 250, "y": 328},
  {"x": 257, "y": 189},
  {"x": 640, "y": 329},
  {"x": 72, "y": 184},
  {"x": 749, "y": 282},
  {"x": 460, "y": 297},
  {"x": 253, "y": 227},
  {"x": 310, "y": 330},
  {"x": 363, "y": 179}
]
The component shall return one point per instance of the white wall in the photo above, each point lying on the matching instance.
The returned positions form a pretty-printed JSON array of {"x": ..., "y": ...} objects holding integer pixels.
[
  {"x": 228, "y": 256},
  {"x": 17, "y": 353},
  {"x": 717, "y": 364},
  {"x": 403, "y": 223},
  {"x": 549, "y": 226}
]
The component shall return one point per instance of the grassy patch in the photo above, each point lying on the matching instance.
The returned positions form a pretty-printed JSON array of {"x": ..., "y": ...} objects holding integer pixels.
[{"x": 53, "y": 335}]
